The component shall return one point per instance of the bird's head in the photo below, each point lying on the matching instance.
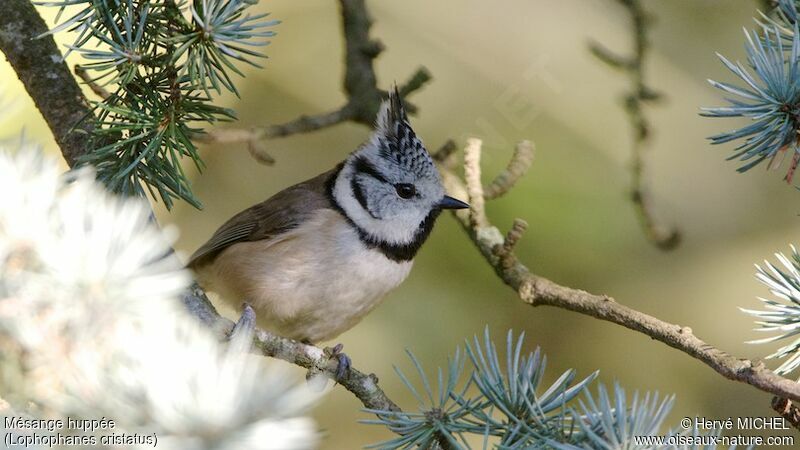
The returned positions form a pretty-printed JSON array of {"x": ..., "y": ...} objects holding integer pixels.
[{"x": 390, "y": 187}]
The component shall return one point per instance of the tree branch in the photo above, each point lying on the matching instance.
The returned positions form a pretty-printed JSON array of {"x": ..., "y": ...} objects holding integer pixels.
[
  {"x": 535, "y": 290},
  {"x": 664, "y": 237},
  {"x": 39, "y": 64},
  {"x": 57, "y": 96},
  {"x": 359, "y": 83},
  {"x": 786, "y": 409},
  {"x": 97, "y": 89},
  {"x": 316, "y": 360}
]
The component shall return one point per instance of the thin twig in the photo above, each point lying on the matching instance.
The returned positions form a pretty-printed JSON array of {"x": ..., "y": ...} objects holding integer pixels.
[
  {"x": 98, "y": 90},
  {"x": 59, "y": 99},
  {"x": 302, "y": 124},
  {"x": 517, "y": 167},
  {"x": 445, "y": 156},
  {"x": 359, "y": 83},
  {"x": 536, "y": 290},
  {"x": 57, "y": 95},
  {"x": 505, "y": 252},
  {"x": 664, "y": 237}
]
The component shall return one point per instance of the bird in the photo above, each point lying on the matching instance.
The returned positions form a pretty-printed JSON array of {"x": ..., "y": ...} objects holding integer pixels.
[{"x": 315, "y": 258}]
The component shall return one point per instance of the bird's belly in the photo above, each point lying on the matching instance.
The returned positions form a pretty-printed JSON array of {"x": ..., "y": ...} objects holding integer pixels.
[
  {"x": 335, "y": 298},
  {"x": 312, "y": 284}
]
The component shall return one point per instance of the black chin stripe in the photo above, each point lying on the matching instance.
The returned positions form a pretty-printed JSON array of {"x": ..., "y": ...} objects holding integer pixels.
[
  {"x": 358, "y": 193},
  {"x": 395, "y": 252},
  {"x": 365, "y": 167}
]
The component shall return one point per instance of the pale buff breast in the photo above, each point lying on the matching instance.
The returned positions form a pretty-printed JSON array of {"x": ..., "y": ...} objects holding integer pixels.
[{"x": 312, "y": 283}]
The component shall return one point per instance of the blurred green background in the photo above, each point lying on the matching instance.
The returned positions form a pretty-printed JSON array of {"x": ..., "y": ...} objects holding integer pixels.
[{"x": 521, "y": 70}]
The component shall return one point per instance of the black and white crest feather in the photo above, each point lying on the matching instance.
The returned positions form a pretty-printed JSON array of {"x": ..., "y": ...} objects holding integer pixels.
[
  {"x": 397, "y": 141},
  {"x": 397, "y": 113}
]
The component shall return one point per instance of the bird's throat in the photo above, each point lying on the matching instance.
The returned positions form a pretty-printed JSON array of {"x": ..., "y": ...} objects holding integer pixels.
[{"x": 395, "y": 251}]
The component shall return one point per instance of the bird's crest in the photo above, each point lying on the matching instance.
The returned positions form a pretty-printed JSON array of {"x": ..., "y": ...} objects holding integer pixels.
[
  {"x": 391, "y": 113},
  {"x": 396, "y": 139}
]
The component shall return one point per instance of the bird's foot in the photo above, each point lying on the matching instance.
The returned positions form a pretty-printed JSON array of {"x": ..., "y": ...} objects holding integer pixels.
[
  {"x": 246, "y": 322},
  {"x": 241, "y": 336},
  {"x": 343, "y": 361}
]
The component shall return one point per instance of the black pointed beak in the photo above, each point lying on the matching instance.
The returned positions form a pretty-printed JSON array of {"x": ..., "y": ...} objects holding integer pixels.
[{"x": 452, "y": 203}]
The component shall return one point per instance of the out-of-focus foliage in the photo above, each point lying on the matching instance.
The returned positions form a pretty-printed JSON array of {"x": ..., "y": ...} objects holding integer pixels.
[
  {"x": 162, "y": 61},
  {"x": 91, "y": 326}
]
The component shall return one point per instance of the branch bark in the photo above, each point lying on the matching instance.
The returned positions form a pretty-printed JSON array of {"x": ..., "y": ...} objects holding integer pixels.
[
  {"x": 359, "y": 83},
  {"x": 56, "y": 94},
  {"x": 786, "y": 409},
  {"x": 536, "y": 290},
  {"x": 316, "y": 360},
  {"x": 38, "y": 63},
  {"x": 664, "y": 237}
]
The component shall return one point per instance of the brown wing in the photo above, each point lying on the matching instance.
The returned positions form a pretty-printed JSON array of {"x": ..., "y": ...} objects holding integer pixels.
[{"x": 278, "y": 214}]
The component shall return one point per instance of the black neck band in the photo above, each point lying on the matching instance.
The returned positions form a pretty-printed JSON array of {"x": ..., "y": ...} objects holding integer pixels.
[{"x": 395, "y": 252}]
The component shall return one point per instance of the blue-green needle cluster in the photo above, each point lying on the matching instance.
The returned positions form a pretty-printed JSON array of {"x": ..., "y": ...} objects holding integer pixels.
[
  {"x": 161, "y": 62},
  {"x": 769, "y": 95},
  {"x": 504, "y": 403}
]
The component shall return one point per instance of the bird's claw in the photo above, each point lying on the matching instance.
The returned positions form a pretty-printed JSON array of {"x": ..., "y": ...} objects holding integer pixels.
[
  {"x": 343, "y": 362},
  {"x": 246, "y": 322},
  {"x": 241, "y": 335}
]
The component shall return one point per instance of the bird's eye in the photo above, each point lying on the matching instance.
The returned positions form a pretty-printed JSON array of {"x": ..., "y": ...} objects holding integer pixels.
[{"x": 405, "y": 190}]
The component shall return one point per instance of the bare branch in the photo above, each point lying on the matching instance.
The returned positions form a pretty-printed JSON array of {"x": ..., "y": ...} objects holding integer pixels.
[
  {"x": 472, "y": 176},
  {"x": 305, "y": 124},
  {"x": 363, "y": 386},
  {"x": 505, "y": 252},
  {"x": 359, "y": 83},
  {"x": 254, "y": 137},
  {"x": 39, "y": 64},
  {"x": 536, "y": 290},
  {"x": 446, "y": 154},
  {"x": 57, "y": 96},
  {"x": 786, "y": 409},
  {"x": 517, "y": 167},
  {"x": 612, "y": 59},
  {"x": 421, "y": 77},
  {"x": 664, "y": 237}
]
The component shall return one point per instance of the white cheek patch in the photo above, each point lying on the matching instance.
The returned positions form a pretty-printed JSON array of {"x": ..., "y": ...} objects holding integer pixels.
[{"x": 398, "y": 230}]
